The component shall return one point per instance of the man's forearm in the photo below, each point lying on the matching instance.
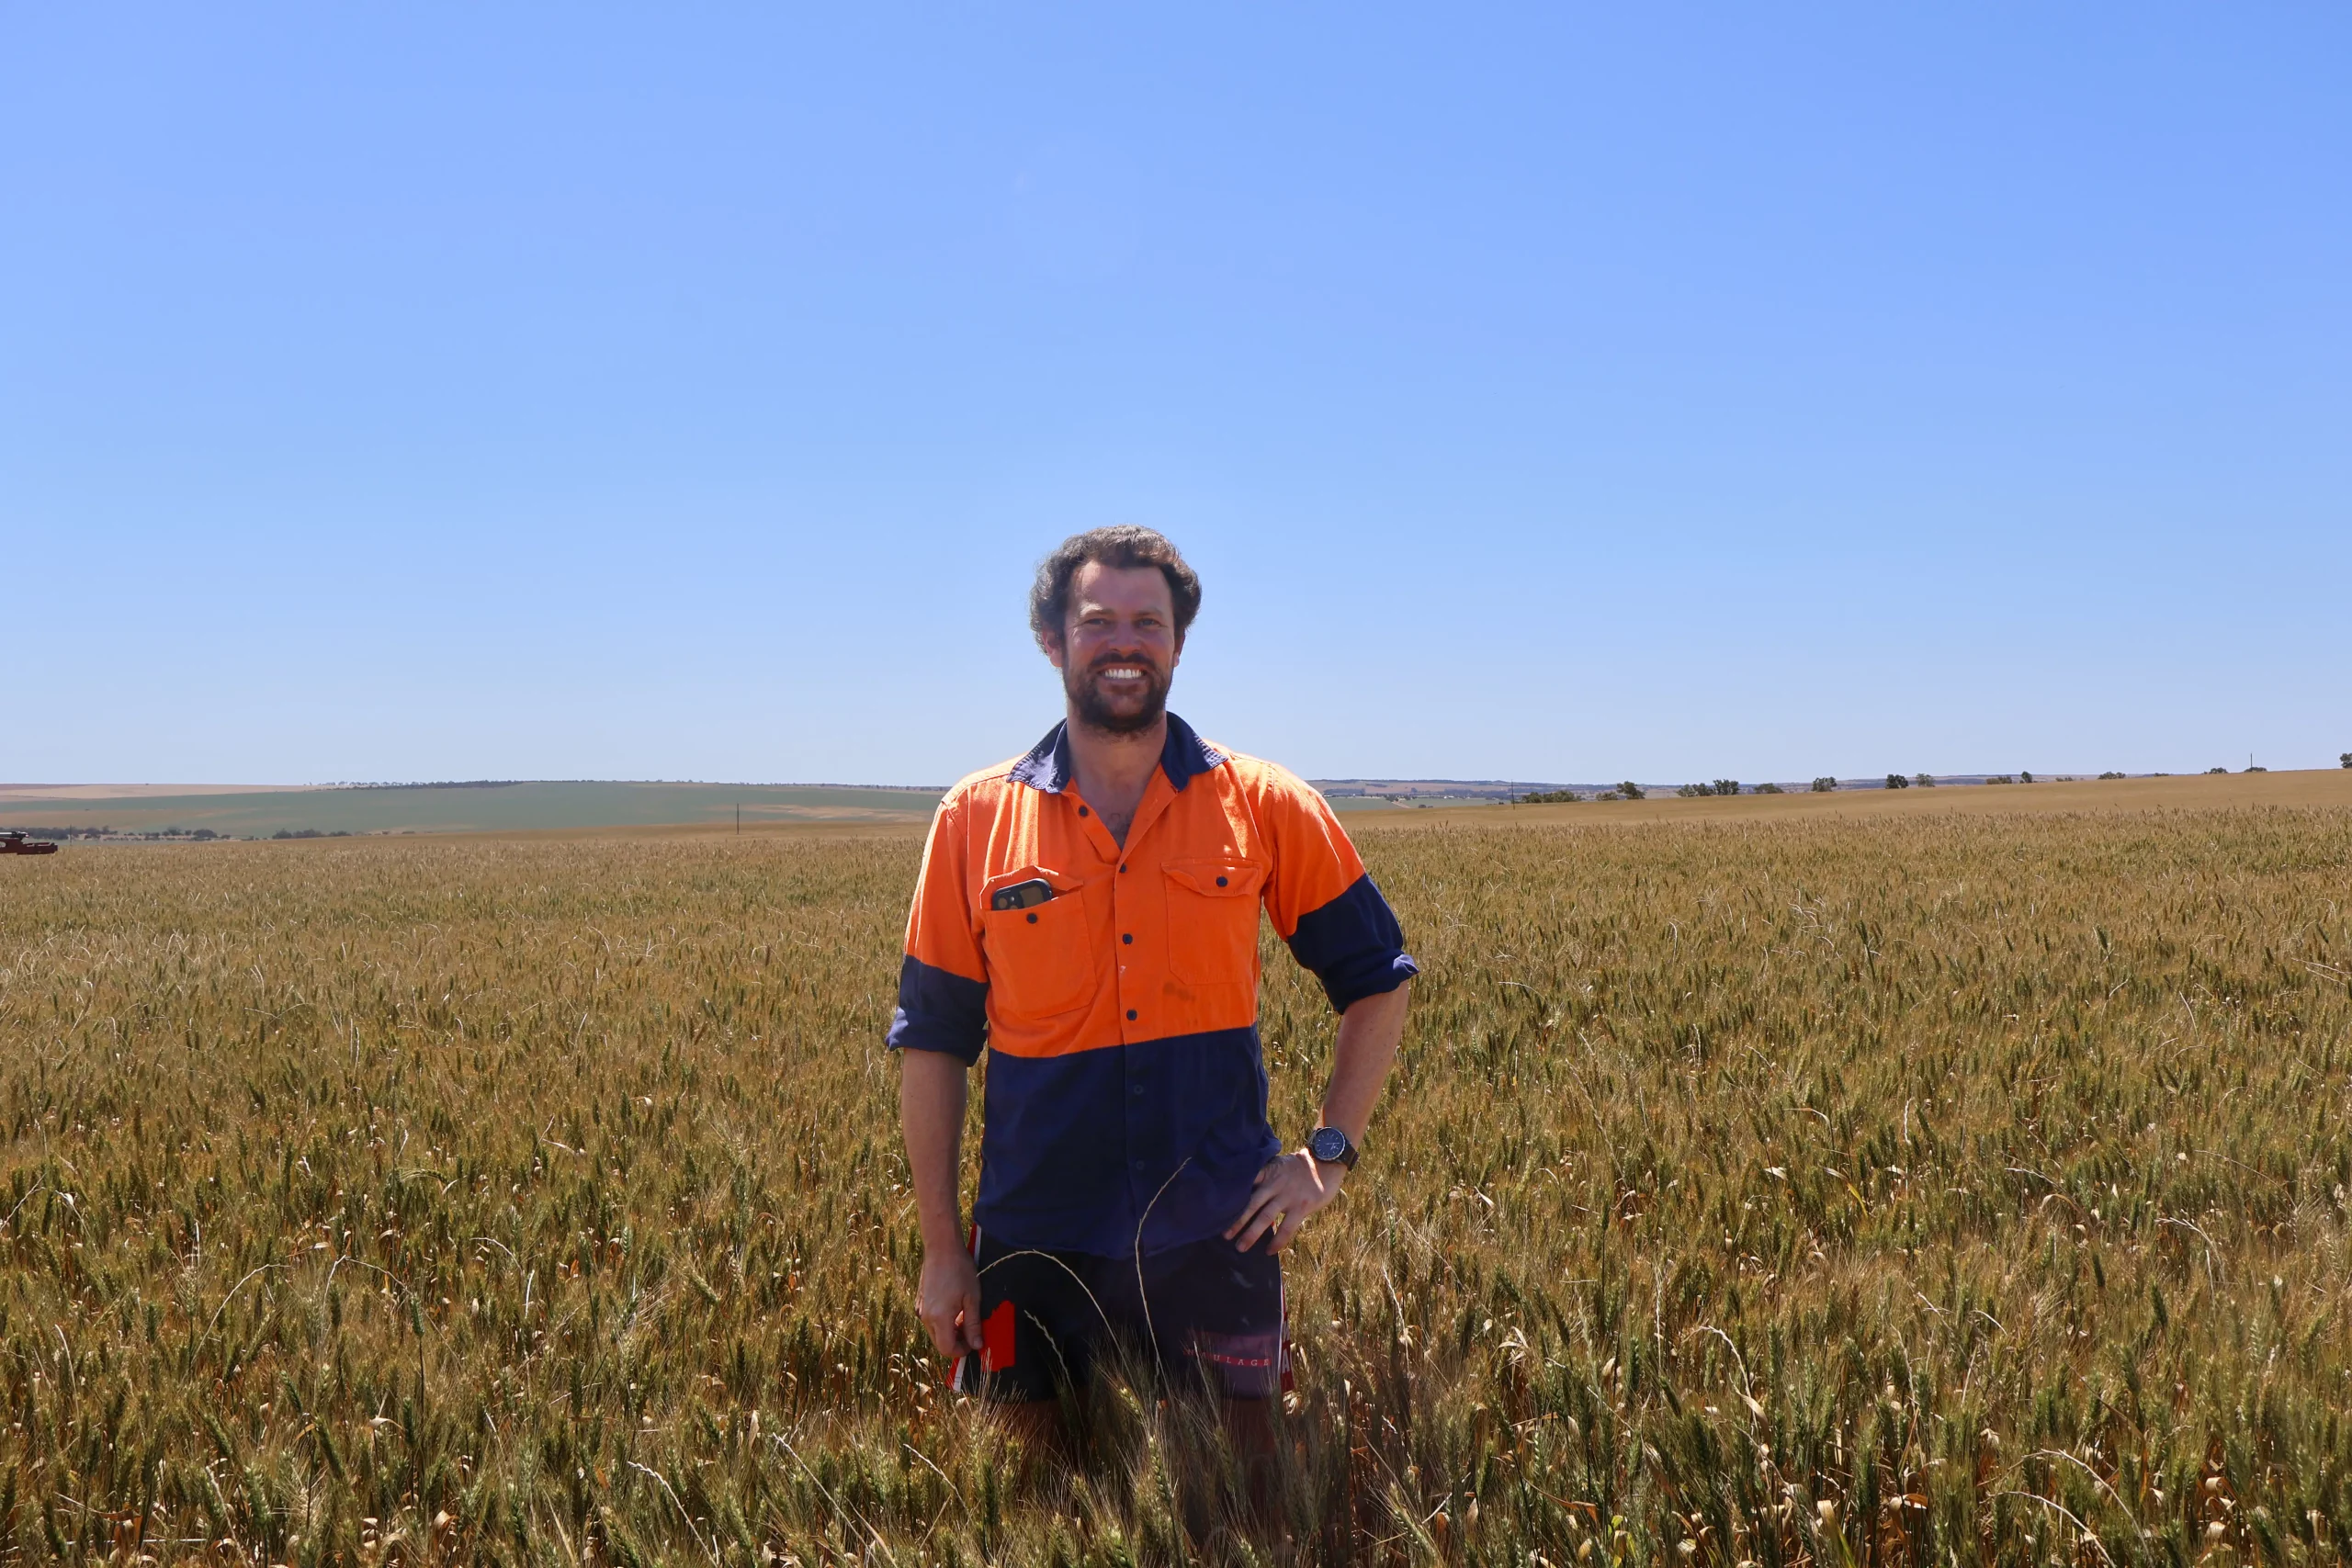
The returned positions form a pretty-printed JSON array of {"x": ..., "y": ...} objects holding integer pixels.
[
  {"x": 931, "y": 1115},
  {"x": 1291, "y": 1189},
  {"x": 1360, "y": 1056}
]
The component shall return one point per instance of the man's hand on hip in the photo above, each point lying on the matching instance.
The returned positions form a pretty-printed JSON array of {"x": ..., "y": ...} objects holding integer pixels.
[
  {"x": 1288, "y": 1189},
  {"x": 948, "y": 1300}
]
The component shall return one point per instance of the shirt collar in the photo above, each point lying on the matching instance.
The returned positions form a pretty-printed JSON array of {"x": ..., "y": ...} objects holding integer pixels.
[{"x": 1047, "y": 767}]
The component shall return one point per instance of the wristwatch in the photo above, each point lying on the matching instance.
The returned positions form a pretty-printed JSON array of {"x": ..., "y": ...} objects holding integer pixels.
[{"x": 1331, "y": 1146}]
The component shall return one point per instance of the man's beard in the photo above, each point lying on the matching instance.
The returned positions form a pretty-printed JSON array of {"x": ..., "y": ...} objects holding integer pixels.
[{"x": 1086, "y": 699}]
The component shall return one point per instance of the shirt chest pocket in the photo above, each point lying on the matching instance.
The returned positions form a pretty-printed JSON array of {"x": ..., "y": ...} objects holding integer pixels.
[
  {"x": 1040, "y": 958},
  {"x": 1213, "y": 920}
]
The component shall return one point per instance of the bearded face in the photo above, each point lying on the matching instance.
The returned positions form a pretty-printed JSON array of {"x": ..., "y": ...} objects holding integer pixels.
[
  {"x": 1118, "y": 649},
  {"x": 1121, "y": 692}
]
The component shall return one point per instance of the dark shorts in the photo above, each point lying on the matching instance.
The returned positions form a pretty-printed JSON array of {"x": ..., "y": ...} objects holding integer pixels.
[{"x": 1200, "y": 1314}]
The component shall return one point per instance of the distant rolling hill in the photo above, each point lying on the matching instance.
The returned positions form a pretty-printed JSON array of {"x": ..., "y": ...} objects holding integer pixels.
[
  {"x": 1378, "y": 795},
  {"x": 521, "y": 806}
]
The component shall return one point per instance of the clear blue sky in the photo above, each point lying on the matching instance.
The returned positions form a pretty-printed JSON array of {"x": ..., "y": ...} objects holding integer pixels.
[{"x": 421, "y": 391}]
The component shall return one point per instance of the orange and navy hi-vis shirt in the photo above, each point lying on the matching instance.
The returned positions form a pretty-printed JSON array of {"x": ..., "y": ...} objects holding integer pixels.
[{"x": 1126, "y": 1092}]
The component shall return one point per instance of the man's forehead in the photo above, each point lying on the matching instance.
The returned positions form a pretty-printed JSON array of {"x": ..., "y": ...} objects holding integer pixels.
[{"x": 1119, "y": 588}]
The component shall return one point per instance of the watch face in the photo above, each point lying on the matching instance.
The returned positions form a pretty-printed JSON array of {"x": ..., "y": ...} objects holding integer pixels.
[{"x": 1328, "y": 1144}]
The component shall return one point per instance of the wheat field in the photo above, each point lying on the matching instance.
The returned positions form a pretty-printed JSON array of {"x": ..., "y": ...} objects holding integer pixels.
[{"x": 1934, "y": 1187}]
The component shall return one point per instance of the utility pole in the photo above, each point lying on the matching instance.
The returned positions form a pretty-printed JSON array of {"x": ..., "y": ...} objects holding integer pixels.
[{"x": 738, "y": 818}]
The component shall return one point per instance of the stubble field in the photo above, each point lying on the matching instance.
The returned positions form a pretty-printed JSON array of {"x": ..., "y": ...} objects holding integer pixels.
[{"x": 1939, "y": 1187}]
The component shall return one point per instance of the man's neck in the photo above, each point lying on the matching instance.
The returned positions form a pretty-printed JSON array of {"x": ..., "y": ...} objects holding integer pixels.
[{"x": 1113, "y": 770}]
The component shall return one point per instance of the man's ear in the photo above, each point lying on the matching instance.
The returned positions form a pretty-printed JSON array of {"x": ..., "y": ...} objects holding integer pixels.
[{"x": 1051, "y": 643}]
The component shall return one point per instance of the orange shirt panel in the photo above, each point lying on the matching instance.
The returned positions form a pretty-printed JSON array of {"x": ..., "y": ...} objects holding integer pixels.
[{"x": 1157, "y": 939}]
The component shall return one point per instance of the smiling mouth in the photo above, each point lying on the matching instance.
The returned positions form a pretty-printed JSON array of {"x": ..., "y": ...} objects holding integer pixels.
[{"x": 1120, "y": 672}]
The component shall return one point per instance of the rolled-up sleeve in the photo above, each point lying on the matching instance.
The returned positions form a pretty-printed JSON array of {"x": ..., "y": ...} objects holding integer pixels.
[
  {"x": 943, "y": 982},
  {"x": 1324, "y": 903}
]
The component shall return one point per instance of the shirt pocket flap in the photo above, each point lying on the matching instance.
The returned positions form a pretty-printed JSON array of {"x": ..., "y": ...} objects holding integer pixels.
[{"x": 1215, "y": 878}]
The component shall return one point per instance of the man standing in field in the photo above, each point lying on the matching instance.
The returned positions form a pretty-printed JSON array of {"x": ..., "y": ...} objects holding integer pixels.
[{"x": 1088, "y": 911}]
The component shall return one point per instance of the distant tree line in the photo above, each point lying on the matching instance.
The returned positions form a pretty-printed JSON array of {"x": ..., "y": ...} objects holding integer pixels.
[{"x": 1827, "y": 783}]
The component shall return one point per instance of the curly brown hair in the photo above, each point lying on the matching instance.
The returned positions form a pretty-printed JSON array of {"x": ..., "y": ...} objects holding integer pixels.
[{"x": 1124, "y": 547}]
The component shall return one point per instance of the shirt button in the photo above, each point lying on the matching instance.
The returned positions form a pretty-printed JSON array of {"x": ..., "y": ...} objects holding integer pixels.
[
  {"x": 1136, "y": 1091},
  {"x": 1138, "y": 1168},
  {"x": 1033, "y": 919},
  {"x": 1127, "y": 936},
  {"x": 1220, "y": 882},
  {"x": 1123, "y": 868},
  {"x": 1131, "y": 1015},
  {"x": 1082, "y": 811}
]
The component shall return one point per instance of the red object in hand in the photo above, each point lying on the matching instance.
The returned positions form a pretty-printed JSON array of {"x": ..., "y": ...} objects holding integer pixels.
[{"x": 995, "y": 1338}]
